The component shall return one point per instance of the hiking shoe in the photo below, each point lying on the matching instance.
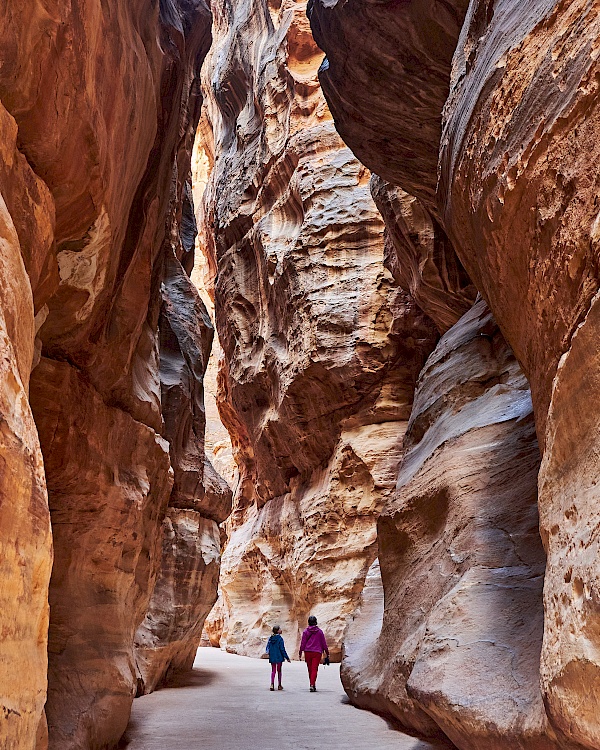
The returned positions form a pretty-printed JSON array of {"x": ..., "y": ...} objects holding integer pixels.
[
  {"x": 272, "y": 687},
  {"x": 280, "y": 687},
  {"x": 313, "y": 689}
]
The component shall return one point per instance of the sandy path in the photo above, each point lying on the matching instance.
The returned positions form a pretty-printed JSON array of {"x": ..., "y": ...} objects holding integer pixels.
[{"x": 225, "y": 704}]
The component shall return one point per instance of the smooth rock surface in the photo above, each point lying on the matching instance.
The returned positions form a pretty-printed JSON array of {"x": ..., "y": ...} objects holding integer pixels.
[
  {"x": 225, "y": 702},
  {"x": 185, "y": 591},
  {"x": 420, "y": 256},
  {"x": 100, "y": 103},
  {"x": 461, "y": 558},
  {"x": 519, "y": 186},
  {"x": 516, "y": 191},
  {"x": 386, "y": 78},
  {"x": 108, "y": 490}
]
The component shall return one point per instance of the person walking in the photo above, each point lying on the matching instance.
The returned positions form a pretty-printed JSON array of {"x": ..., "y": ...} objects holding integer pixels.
[
  {"x": 313, "y": 645},
  {"x": 277, "y": 653}
]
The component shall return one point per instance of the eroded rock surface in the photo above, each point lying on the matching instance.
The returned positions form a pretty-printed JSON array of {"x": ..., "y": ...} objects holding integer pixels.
[
  {"x": 525, "y": 106},
  {"x": 321, "y": 350},
  {"x": 186, "y": 587},
  {"x": 517, "y": 197},
  {"x": 420, "y": 256},
  {"x": 100, "y": 103},
  {"x": 461, "y": 560},
  {"x": 107, "y": 509},
  {"x": 386, "y": 78},
  {"x": 25, "y": 540}
]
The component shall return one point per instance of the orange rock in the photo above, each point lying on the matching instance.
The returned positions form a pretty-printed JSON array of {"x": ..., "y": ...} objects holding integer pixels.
[
  {"x": 108, "y": 490},
  {"x": 100, "y": 107},
  {"x": 25, "y": 539}
]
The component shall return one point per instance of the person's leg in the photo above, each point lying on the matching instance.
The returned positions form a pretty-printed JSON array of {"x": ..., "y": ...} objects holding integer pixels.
[
  {"x": 315, "y": 669},
  {"x": 312, "y": 662},
  {"x": 273, "y": 668},
  {"x": 307, "y": 660},
  {"x": 279, "y": 672}
]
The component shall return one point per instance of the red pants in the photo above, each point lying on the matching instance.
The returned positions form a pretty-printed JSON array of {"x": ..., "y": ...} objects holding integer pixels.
[
  {"x": 276, "y": 667},
  {"x": 313, "y": 659}
]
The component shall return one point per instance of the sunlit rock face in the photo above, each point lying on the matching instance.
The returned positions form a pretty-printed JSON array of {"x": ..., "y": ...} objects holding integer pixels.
[
  {"x": 25, "y": 540},
  {"x": 516, "y": 192},
  {"x": 99, "y": 107},
  {"x": 321, "y": 349},
  {"x": 108, "y": 489}
]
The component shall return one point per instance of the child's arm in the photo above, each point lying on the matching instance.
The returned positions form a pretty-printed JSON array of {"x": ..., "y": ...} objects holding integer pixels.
[{"x": 285, "y": 653}]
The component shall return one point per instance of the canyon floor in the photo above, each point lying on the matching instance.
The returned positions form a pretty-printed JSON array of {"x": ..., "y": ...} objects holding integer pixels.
[{"x": 226, "y": 703}]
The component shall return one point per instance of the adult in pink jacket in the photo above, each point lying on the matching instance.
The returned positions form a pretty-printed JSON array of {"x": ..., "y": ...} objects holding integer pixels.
[{"x": 313, "y": 645}]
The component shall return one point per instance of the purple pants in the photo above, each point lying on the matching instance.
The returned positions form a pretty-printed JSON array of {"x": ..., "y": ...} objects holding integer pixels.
[{"x": 278, "y": 668}]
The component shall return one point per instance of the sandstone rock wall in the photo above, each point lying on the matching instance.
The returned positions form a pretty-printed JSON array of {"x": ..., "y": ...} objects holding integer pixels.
[
  {"x": 515, "y": 151},
  {"x": 25, "y": 539},
  {"x": 107, "y": 507},
  {"x": 99, "y": 107},
  {"x": 532, "y": 211},
  {"x": 186, "y": 588},
  {"x": 462, "y": 562},
  {"x": 321, "y": 350}
]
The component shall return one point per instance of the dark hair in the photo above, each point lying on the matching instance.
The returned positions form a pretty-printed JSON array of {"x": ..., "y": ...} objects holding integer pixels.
[
  {"x": 276, "y": 629},
  {"x": 312, "y": 620}
]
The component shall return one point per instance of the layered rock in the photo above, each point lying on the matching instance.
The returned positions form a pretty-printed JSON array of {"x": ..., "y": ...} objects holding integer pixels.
[
  {"x": 420, "y": 256},
  {"x": 386, "y": 78},
  {"x": 321, "y": 351},
  {"x": 185, "y": 592},
  {"x": 25, "y": 540},
  {"x": 517, "y": 196},
  {"x": 107, "y": 508},
  {"x": 462, "y": 562},
  {"x": 100, "y": 104},
  {"x": 186, "y": 588},
  {"x": 525, "y": 106}
]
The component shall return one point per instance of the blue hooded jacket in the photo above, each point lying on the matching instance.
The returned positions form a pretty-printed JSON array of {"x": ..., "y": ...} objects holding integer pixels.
[{"x": 276, "y": 649}]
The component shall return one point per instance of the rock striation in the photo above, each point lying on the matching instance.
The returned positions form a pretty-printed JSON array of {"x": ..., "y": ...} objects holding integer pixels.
[
  {"x": 386, "y": 78},
  {"x": 462, "y": 564},
  {"x": 99, "y": 108},
  {"x": 25, "y": 538},
  {"x": 525, "y": 104},
  {"x": 186, "y": 587},
  {"x": 516, "y": 114},
  {"x": 321, "y": 349},
  {"x": 107, "y": 509}
]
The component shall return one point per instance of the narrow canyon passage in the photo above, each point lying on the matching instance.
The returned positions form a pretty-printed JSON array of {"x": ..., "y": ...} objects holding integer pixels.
[
  {"x": 225, "y": 703},
  {"x": 299, "y": 320}
]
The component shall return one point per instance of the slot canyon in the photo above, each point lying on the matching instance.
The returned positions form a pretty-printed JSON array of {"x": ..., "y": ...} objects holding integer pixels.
[{"x": 297, "y": 316}]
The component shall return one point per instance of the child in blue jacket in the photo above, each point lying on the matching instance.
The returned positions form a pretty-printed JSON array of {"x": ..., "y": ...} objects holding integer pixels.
[{"x": 277, "y": 653}]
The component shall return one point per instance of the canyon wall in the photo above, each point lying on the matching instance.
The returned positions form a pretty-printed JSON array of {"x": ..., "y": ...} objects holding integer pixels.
[
  {"x": 321, "y": 349},
  {"x": 99, "y": 108},
  {"x": 510, "y": 102},
  {"x": 462, "y": 564},
  {"x": 25, "y": 538}
]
